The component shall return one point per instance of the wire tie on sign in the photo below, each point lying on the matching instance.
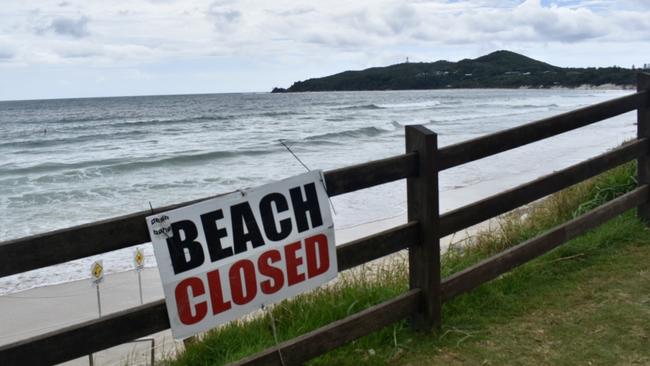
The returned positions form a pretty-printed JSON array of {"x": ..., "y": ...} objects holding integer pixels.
[
  {"x": 242, "y": 192},
  {"x": 275, "y": 333}
]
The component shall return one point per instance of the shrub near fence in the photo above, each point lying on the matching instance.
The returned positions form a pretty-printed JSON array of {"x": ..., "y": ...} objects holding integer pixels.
[{"x": 420, "y": 165}]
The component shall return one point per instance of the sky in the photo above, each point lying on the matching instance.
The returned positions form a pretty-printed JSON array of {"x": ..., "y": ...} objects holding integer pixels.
[{"x": 91, "y": 48}]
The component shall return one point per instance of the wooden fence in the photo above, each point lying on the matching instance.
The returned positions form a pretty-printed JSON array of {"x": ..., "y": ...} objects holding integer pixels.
[{"x": 420, "y": 165}]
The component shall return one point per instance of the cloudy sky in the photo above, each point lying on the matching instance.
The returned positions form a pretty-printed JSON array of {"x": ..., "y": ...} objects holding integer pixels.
[{"x": 84, "y": 48}]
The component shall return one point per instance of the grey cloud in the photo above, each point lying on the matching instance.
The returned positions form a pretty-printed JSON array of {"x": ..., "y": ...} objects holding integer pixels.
[
  {"x": 401, "y": 18},
  {"x": 5, "y": 55},
  {"x": 397, "y": 20},
  {"x": 219, "y": 3},
  {"x": 227, "y": 16},
  {"x": 292, "y": 12},
  {"x": 77, "y": 28},
  {"x": 632, "y": 25},
  {"x": 223, "y": 17},
  {"x": 560, "y": 24},
  {"x": 333, "y": 40},
  {"x": 528, "y": 22},
  {"x": 567, "y": 32},
  {"x": 78, "y": 53},
  {"x": 366, "y": 22}
]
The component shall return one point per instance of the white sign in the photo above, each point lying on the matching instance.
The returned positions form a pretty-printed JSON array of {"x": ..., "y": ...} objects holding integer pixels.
[
  {"x": 225, "y": 257},
  {"x": 97, "y": 272}
]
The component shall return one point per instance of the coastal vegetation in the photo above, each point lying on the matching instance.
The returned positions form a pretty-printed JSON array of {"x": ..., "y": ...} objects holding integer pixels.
[
  {"x": 500, "y": 69},
  {"x": 585, "y": 302}
]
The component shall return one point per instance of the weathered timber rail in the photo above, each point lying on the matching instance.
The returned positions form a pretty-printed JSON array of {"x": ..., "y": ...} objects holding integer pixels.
[{"x": 420, "y": 165}]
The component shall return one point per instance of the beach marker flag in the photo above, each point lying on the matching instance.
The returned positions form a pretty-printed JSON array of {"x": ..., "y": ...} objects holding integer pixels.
[{"x": 225, "y": 257}]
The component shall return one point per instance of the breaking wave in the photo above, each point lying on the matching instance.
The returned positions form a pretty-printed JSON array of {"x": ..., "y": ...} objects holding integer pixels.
[
  {"x": 354, "y": 133},
  {"x": 359, "y": 107}
]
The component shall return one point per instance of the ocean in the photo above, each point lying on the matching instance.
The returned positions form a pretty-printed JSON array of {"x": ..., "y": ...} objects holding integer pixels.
[{"x": 72, "y": 161}]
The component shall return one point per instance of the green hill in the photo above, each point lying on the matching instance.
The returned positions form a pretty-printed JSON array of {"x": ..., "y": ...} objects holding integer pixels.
[{"x": 500, "y": 69}]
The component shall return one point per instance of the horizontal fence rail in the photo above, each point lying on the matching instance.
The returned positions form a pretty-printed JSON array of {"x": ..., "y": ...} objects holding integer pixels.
[
  {"x": 59, "y": 246},
  {"x": 375, "y": 246},
  {"x": 360, "y": 176},
  {"x": 466, "y": 216},
  {"x": 491, "y": 268},
  {"x": 481, "y": 147}
]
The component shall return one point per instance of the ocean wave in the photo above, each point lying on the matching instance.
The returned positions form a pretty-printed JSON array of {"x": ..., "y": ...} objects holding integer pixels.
[
  {"x": 411, "y": 105},
  {"x": 358, "y": 107},
  {"x": 477, "y": 116},
  {"x": 46, "y": 198},
  {"x": 514, "y": 105},
  {"x": 278, "y": 114},
  {"x": 75, "y": 119},
  {"x": 407, "y": 105},
  {"x": 361, "y": 132},
  {"x": 314, "y": 141},
  {"x": 125, "y": 122},
  {"x": 170, "y": 121},
  {"x": 525, "y": 106},
  {"x": 47, "y": 142},
  {"x": 120, "y": 165},
  {"x": 52, "y": 167},
  {"x": 185, "y": 159}
]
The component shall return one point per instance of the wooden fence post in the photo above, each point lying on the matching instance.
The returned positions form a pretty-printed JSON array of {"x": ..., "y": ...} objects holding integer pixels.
[
  {"x": 643, "y": 130},
  {"x": 422, "y": 199}
]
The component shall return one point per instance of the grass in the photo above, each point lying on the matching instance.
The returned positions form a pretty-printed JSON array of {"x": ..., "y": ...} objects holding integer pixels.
[{"x": 586, "y": 302}]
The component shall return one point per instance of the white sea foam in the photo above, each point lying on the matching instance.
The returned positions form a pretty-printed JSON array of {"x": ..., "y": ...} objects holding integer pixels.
[{"x": 411, "y": 105}]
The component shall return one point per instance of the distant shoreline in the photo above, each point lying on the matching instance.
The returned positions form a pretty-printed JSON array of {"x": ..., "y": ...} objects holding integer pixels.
[
  {"x": 523, "y": 87},
  {"x": 590, "y": 87}
]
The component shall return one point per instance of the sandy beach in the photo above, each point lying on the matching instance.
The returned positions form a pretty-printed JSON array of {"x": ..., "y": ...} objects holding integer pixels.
[{"x": 43, "y": 309}]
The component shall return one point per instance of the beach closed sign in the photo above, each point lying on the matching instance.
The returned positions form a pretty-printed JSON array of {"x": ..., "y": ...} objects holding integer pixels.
[{"x": 226, "y": 257}]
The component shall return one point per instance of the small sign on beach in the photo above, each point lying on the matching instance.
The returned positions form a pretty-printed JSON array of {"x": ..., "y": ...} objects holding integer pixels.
[
  {"x": 138, "y": 259},
  {"x": 225, "y": 257},
  {"x": 97, "y": 272}
]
